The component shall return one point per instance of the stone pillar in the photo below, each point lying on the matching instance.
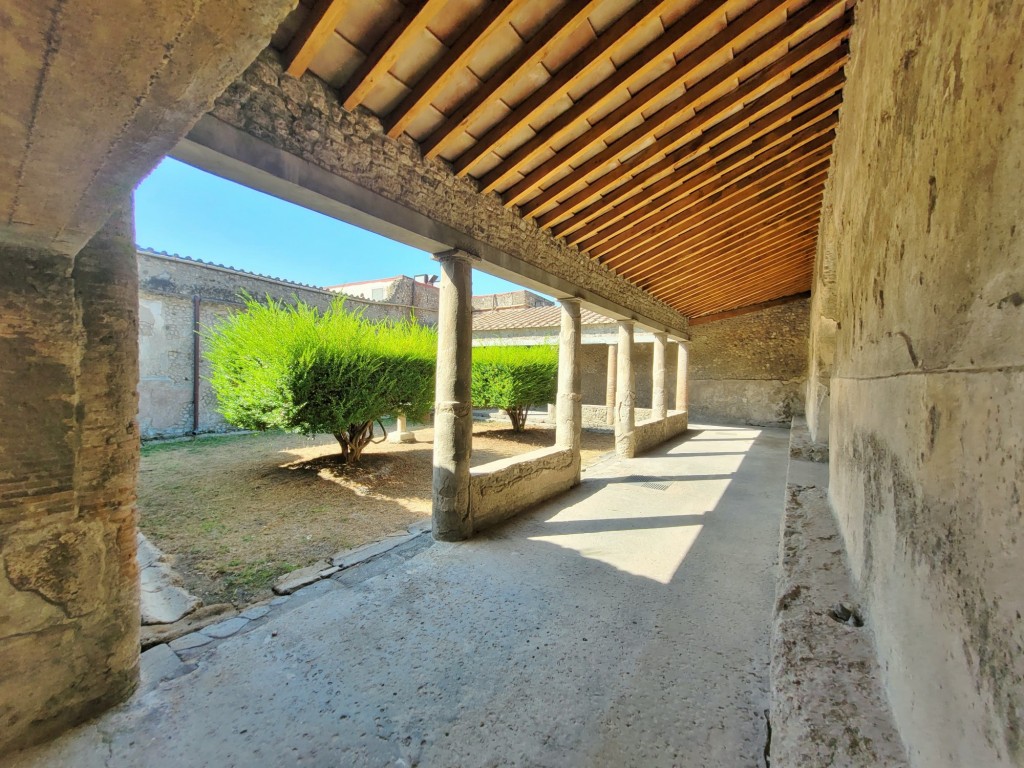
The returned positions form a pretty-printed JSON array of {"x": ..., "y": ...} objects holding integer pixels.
[
  {"x": 625, "y": 396},
  {"x": 69, "y": 449},
  {"x": 681, "y": 362},
  {"x": 569, "y": 411},
  {"x": 609, "y": 395},
  {"x": 401, "y": 433},
  {"x": 659, "y": 394},
  {"x": 453, "y": 409}
]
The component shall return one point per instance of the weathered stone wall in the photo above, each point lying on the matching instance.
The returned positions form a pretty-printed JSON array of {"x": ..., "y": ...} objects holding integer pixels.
[
  {"x": 69, "y": 604},
  {"x": 406, "y": 291},
  {"x": 750, "y": 369},
  {"x": 926, "y": 221},
  {"x": 509, "y": 300},
  {"x": 167, "y": 286},
  {"x": 304, "y": 118},
  {"x": 504, "y": 488}
]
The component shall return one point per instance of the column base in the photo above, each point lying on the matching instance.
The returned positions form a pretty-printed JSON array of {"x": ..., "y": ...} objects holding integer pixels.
[{"x": 401, "y": 437}]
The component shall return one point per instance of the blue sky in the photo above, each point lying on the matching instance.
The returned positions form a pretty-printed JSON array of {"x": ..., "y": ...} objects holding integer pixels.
[{"x": 180, "y": 209}]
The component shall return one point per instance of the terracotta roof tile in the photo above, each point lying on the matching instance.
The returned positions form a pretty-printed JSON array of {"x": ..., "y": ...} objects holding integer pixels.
[{"x": 535, "y": 317}]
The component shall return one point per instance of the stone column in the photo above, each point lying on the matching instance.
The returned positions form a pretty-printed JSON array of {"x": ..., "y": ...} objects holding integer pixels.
[
  {"x": 681, "y": 364},
  {"x": 69, "y": 450},
  {"x": 401, "y": 433},
  {"x": 569, "y": 411},
  {"x": 453, "y": 410},
  {"x": 609, "y": 395},
  {"x": 625, "y": 396},
  {"x": 659, "y": 395}
]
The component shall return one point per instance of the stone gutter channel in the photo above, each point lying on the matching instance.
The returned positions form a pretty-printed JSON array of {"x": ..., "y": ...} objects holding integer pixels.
[
  {"x": 828, "y": 706},
  {"x": 178, "y": 656}
]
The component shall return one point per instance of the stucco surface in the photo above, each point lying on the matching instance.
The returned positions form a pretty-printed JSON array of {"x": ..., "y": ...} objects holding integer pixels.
[
  {"x": 924, "y": 217},
  {"x": 750, "y": 369}
]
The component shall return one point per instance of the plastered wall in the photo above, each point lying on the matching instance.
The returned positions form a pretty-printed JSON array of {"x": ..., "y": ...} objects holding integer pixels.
[
  {"x": 925, "y": 220},
  {"x": 750, "y": 369}
]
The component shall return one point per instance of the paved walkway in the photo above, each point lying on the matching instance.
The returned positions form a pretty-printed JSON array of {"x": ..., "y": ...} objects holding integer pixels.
[{"x": 625, "y": 624}]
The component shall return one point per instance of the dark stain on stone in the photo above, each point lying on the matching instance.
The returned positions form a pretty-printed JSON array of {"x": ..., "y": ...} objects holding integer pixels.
[
  {"x": 933, "y": 196},
  {"x": 910, "y": 348},
  {"x": 1014, "y": 299},
  {"x": 934, "y": 419}
]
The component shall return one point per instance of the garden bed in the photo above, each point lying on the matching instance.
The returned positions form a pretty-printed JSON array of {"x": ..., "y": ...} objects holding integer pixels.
[{"x": 235, "y": 512}]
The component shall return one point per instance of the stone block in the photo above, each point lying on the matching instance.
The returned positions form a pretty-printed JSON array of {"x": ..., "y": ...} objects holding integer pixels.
[
  {"x": 350, "y": 557},
  {"x": 294, "y": 580},
  {"x": 225, "y": 628}
]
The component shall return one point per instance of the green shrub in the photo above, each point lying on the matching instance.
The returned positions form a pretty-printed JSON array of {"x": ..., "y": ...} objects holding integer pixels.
[
  {"x": 514, "y": 378},
  {"x": 276, "y": 366}
]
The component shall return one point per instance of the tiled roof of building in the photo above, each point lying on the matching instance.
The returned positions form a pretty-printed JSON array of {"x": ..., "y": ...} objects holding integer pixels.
[{"x": 535, "y": 317}]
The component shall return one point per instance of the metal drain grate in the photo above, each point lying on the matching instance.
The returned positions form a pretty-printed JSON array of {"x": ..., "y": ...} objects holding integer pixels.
[{"x": 645, "y": 481}]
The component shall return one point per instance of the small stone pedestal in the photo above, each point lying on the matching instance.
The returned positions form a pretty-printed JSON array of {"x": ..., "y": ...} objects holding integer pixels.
[{"x": 401, "y": 433}]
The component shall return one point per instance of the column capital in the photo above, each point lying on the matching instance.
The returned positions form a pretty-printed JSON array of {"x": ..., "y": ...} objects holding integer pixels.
[
  {"x": 455, "y": 255},
  {"x": 626, "y": 324},
  {"x": 661, "y": 336},
  {"x": 570, "y": 300}
]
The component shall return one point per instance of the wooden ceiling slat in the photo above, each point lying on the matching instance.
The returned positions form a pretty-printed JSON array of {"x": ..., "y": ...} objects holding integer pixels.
[
  {"x": 388, "y": 50},
  {"x": 494, "y": 15},
  {"x": 692, "y": 98},
  {"x": 639, "y": 64},
  {"x": 734, "y": 189},
  {"x": 782, "y": 230},
  {"x": 673, "y": 79},
  {"x": 315, "y": 31},
  {"x": 779, "y": 212},
  {"x": 803, "y": 90},
  {"x": 722, "y": 208},
  {"x": 552, "y": 34},
  {"x": 556, "y": 87},
  {"x": 631, "y": 216},
  {"x": 791, "y": 268},
  {"x": 754, "y": 253}
]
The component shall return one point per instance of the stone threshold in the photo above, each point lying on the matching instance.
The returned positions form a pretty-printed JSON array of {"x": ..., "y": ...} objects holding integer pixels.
[
  {"x": 178, "y": 656},
  {"x": 828, "y": 706}
]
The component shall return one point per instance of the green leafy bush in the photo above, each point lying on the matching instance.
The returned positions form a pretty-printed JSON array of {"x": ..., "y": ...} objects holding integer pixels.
[
  {"x": 277, "y": 366},
  {"x": 514, "y": 378}
]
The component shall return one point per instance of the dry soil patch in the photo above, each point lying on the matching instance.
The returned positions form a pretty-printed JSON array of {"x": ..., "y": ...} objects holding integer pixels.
[{"x": 235, "y": 512}]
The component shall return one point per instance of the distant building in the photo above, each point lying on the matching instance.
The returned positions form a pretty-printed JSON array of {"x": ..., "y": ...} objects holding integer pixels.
[
  {"x": 417, "y": 291},
  {"x": 521, "y": 299}
]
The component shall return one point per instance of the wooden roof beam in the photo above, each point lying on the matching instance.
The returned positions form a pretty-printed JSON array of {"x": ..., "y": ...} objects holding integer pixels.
[
  {"x": 640, "y": 63},
  {"x": 775, "y": 165},
  {"x": 691, "y": 99},
  {"x": 753, "y": 253},
  {"x": 473, "y": 38},
  {"x": 637, "y": 214},
  {"x": 731, "y": 231},
  {"x": 575, "y": 68},
  {"x": 316, "y": 30},
  {"x": 538, "y": 48},
  {"x": 675, "y": 228},
  {"x": 392, "y": 46},
  {"x": 806, "y": 88},
  {"x": 787, "y": 225}
]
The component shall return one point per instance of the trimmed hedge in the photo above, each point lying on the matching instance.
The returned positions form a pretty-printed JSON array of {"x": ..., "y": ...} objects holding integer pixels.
[
  {"x": 278, "y": 366},
  {"x": 514, "y": 378}
]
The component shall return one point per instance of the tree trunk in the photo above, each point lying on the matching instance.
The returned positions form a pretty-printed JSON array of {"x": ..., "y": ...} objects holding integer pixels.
[
  {"x": 518, "y": 417},
  {"x": 353, "y": 440}
]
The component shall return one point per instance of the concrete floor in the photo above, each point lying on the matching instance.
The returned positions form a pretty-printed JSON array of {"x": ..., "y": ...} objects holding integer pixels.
[{"x": 620, "y": 625}]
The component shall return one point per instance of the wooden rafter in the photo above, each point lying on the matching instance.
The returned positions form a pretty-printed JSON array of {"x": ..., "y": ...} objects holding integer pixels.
[
  {"x": 803, "y": 90},
  {"x": 389, "y": 49},
  {"x": 812, "y": 146},
  {"x": 693, "y": 98},
  {"x": 639, "y": 64},
  {"x": 790, "y": 270},
  {"x": 315, "y": 31},
  {"x": 778, "y": 211},
  {"x": 494, "y": 15},
  {"x": 719, "y": 207},
  {"x": 581, "y": 64},
  {"x": 539, "y": 47},
  {"x": 708, "y": 168}
]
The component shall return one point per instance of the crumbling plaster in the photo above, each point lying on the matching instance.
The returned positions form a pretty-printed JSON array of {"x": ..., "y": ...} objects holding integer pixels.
[{"x": 924, "y": 216}]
